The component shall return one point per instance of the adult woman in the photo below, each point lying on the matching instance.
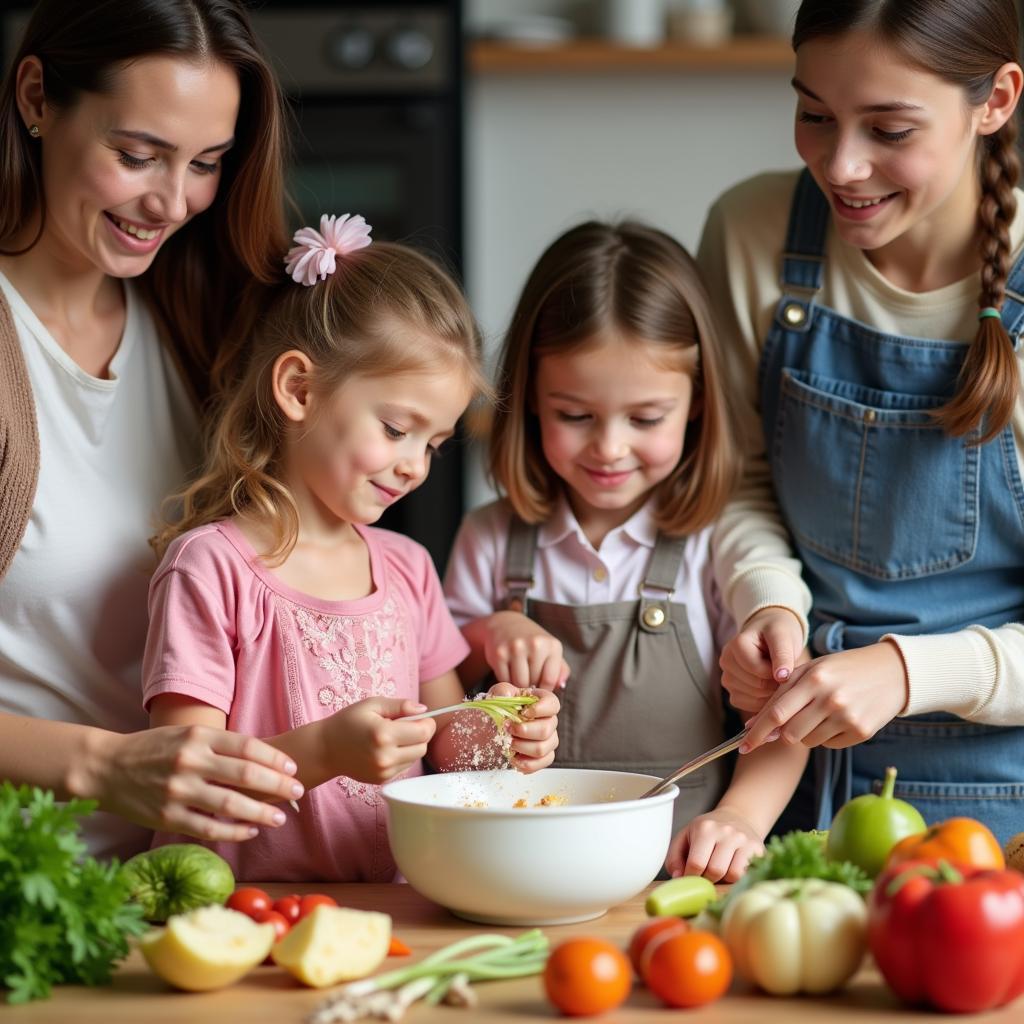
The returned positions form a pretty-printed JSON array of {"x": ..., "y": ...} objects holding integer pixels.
[
  {"x": 875, "y": 336},
  {"x": 120, "y": 122}
]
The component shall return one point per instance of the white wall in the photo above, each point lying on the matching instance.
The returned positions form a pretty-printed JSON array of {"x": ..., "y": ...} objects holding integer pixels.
[{"x": 544, "y": 152}]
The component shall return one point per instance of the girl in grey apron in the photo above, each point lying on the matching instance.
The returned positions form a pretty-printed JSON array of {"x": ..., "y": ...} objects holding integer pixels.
[
  {"x": 615, "y": 453},
  {"x": 909, "y": 520}
]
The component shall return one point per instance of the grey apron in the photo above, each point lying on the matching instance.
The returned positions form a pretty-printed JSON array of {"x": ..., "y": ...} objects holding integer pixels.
[{"x": 639, "y": 698}]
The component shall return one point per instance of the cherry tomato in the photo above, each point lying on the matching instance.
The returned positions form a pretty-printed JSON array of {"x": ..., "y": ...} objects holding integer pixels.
[
  {"x": 279, "y": 921},
  {"x": 248, "y": 901},
  {"x": 309, "y": 903},
  {"x": 688, "y": 969},
  {"x": 587, "y": 976},
  {"x": 288, "y": 907},
  {"x": 646, "y": 932}
]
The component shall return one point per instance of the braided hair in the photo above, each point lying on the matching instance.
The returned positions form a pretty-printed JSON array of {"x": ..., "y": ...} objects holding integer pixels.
[{"x": 965, "y": 44}]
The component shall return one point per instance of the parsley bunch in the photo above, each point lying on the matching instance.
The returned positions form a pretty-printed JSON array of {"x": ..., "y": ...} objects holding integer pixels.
[{"x": 66, "y": 917}]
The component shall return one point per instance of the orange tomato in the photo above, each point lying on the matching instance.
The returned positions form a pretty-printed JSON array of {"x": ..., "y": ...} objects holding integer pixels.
[
  {"x": 646, "y": 932},
  {"x": 958, "y": 840},
  {"x": 688, "y": 969},
  {"x": 587, "y": 976}
]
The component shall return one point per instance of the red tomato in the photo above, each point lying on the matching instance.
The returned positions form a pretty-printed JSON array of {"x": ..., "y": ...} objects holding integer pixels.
[
  {"x": 309, "y": 903},
  {"x": 688, "y": 969},
  {"x": 279, "y": 921},
  {"x": 587, "y": 976},
  {"x": 248, "y": 901},
  {"x": 643, "y": 935},
  {"x": 288, "y": 907}
]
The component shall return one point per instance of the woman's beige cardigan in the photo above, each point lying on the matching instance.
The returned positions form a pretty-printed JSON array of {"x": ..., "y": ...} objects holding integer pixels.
[{"x": 19, "y": 441}]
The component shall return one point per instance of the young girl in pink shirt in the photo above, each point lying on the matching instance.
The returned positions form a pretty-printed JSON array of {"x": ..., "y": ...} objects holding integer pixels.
[{"x": 277, "y": 610}]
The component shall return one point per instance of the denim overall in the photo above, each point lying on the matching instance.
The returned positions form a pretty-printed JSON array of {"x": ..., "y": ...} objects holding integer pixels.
[
  {"x": 900, "y": 528},
  {"x": 639, "y": 698}
]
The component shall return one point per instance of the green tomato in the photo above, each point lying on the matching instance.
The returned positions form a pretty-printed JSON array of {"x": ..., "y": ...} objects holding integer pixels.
[
  {"x": 177, "y": 878},
  {"x": 867, "y": 827}
]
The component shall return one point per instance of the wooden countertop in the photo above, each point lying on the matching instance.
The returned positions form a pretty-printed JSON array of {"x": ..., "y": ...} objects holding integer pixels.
[{"x": 269, "y": 996}]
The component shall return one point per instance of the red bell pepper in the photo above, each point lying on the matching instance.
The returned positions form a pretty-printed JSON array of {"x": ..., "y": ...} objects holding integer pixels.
[{"x": 951, "y": 936}]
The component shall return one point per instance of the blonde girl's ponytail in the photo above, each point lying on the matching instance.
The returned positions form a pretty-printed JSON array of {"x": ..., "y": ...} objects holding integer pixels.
[{"x": 989, "y": 384}]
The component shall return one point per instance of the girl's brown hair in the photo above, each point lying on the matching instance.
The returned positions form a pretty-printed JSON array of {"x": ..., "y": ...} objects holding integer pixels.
[
  {"x": 641, "y": 283},
  {"x": 204, "y": 282},
  {"x": 387, "y": 309},
  {"x": 964, "y": 42}
]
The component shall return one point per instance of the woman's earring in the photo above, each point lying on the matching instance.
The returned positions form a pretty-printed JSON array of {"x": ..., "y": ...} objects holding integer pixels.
[{"x": 33, "y": 130}]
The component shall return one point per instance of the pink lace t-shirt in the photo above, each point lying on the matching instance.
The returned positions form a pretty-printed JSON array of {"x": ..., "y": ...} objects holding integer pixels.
[{"x": 226, "y": 631}]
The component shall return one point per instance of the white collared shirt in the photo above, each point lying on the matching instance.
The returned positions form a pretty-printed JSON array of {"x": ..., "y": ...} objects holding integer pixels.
[{"x": 567, "y": 570}]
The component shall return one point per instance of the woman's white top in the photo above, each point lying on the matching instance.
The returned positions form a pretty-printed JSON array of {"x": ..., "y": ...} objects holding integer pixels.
[{"x": 73, "y": 604}]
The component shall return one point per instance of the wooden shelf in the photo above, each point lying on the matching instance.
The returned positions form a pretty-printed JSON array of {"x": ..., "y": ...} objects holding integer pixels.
[{"x": 598, "y": 56}]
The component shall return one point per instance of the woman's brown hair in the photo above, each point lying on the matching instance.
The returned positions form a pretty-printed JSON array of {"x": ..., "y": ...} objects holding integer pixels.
[
  {"x": 386, "y": 310},
  {"x": 638, "y": 281},
  {"x": 204, "y": 282},
  {"x": 964, "y": 42}
]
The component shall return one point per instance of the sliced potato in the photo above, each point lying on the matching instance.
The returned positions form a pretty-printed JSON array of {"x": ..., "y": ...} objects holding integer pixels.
[
  {"x": 334, "y": 944},
  {"x": 206, "y": 948}
]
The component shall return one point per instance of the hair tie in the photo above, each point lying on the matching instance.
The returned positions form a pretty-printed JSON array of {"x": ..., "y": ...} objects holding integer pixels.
[
  {"x": 314, "y": 254},
  {"x": 982, "y": 314}
]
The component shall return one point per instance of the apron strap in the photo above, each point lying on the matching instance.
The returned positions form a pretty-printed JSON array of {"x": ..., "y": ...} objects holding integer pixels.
[
  {"x": 804, "y": 255},
  {"x": 520, "y": 550},
  {"x": 662, "y": 572},
  {"x": 1013, "y": 304}
]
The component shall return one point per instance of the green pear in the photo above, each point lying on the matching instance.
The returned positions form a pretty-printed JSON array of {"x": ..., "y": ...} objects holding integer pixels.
[{"x": 867, "y": 827}]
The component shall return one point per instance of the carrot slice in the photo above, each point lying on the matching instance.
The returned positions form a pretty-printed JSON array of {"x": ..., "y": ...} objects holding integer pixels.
[{"x": 398, "y": 948}]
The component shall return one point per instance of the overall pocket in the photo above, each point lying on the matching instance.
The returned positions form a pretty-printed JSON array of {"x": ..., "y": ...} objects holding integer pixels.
[{"x": 866, "y": 478}]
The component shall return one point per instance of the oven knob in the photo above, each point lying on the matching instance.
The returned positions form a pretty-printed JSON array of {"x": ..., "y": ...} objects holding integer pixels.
[
  {"x": 410, "y": 48},
  {"x": 352, "y": 48}
]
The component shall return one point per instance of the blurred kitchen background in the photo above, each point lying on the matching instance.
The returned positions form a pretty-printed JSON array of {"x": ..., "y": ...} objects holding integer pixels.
[{"x": 480, "y": 129}]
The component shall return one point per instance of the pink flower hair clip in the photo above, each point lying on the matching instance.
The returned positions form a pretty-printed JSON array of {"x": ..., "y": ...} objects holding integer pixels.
[{"x": 315, "y": 253}]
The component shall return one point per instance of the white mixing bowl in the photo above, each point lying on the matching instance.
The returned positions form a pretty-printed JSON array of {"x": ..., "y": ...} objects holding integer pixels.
[{"x": 459, "y": 841}]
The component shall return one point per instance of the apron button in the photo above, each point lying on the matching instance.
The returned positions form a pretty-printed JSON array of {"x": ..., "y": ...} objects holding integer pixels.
[
  {"x": 654, "y": 616},
  {"x": 600, "y": 574},
  {"x": 794, "y": 314}
]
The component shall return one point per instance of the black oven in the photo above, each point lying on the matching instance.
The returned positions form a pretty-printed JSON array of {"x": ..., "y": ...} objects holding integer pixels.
[{"x": 376, "y": 92}]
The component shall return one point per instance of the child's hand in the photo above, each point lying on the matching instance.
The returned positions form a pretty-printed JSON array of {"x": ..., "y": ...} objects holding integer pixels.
[
  {"x": 837, "y": 700},
  {"x": 519, "y": 652},
  {"x": 367, "y": 745},
  {"x": 762, "y": 655},
  {"x": 717, "y": 845},
  {"x": 533, "y": 742}
]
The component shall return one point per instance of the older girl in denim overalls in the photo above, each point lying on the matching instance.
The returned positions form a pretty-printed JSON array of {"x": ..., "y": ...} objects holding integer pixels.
[
  {"x": 614, "y": 448},
  {"x": 895, "y": 458}
]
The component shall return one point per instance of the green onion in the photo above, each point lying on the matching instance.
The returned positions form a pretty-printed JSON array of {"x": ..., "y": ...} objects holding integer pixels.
[
  {"x": 502, "y": 709},
  {"x": 444, "y": 975}
]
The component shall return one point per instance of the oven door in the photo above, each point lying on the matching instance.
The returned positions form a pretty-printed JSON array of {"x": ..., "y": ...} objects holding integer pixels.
[{"x": 389, "y": 159}]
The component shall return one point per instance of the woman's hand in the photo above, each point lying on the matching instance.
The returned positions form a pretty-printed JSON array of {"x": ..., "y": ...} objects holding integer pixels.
[
  {"x": 761, "y": 656},
  {"x": 519, "y": 652},
  {"x": 835, "y": 701},
  {"x": 188, "y": 779},
  {"x": 717, "y": 845},
  {"x": 535, "y": 740},
  {"x": 367, "y": 744}
]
